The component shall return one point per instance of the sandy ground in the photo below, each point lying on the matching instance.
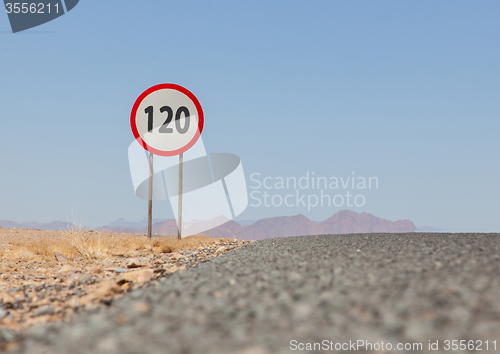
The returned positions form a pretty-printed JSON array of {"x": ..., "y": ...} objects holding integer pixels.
[{"x": 48, "y": 276}]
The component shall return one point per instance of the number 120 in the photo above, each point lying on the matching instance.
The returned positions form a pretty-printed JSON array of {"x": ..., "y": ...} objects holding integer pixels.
[{"x": 170, "y": 114}]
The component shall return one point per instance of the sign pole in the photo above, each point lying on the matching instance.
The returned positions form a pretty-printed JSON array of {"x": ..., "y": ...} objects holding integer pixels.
[
  {"x": 150, "y": 201},
  {"x": 179, "y": 209}
]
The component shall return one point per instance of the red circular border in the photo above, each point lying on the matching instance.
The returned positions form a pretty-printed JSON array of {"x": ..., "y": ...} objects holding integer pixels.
[{"x": 136, "y": 107}]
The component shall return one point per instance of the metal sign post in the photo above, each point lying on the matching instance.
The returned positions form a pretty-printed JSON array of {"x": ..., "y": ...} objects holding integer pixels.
[
  {"x": 179, "y": 209},
  {"x": 150, "y": 201}
]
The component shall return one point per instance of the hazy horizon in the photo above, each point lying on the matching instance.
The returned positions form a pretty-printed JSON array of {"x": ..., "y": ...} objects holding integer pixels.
[{"x": 139, "y": 224}]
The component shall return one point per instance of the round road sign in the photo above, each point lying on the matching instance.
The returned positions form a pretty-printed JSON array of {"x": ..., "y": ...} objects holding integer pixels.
[{"x": 167, "y": 119}]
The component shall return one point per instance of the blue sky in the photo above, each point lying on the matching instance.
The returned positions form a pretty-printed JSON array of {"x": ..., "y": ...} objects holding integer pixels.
[{"x": 404, "y": 91}]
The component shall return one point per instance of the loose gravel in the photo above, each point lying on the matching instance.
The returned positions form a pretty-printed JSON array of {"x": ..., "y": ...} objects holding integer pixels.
[{"x": 395, "y": 288}]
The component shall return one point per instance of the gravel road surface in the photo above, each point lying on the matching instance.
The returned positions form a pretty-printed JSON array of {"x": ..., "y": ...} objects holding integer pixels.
[{"x": 276, "y": 295}]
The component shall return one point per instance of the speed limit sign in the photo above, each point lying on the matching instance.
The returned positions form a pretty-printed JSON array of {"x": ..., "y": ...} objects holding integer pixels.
[{"x": 167, "y": 119}]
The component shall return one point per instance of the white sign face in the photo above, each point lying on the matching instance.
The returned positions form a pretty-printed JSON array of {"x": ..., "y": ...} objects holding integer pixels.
[{"x": 167, "y": 119}]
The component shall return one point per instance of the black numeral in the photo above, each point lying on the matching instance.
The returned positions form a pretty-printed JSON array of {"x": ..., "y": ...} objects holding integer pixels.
[
  {"x": 149, "y": 111},
  {"x": 178, "y": 120},
  {"x": 170, "y": 114},
  {"x": 163, "y": 128}
]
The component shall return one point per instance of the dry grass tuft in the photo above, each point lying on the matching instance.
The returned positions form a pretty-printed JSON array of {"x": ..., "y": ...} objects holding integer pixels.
[
  {"x": 91, "y": 247},
  {"x": 101, "y": 245}
]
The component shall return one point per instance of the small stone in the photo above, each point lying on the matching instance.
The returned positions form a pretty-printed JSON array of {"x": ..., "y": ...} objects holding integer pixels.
[
  {"x": 142, "y": 307},
  {"x": 107, "y": 262},
  {"x": 77, "y": 278},
  {"x": 59, "y": 257},
  {"x": 66, "y": 269},
  {"x": 177, "y": 256},
  {"x": 138, "y": 276},
  {"x": 220, "y": 249},
  {"x": 73, "y": 302},
  {"x": 19, "y": 297},
  {"x": 3, "y": 313},
  {"x": 30, "y": 284},
  {"x": 120, "y": 270},
  {"x": 132, "y": 263},
  {"x": 42, "y": 311},
  {"x": 12, "y": 290},
  {"x": 9, "y": 320},
  {"x": 174, "y": 269},
  {"x": 105, "y": 289}
]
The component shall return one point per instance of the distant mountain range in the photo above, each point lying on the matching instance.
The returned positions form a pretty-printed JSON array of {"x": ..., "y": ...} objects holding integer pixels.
[
  {"x": 132, "y": 224},
  {"x": 54, "y": 225},
  {"x": 343, "y": 222}
]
